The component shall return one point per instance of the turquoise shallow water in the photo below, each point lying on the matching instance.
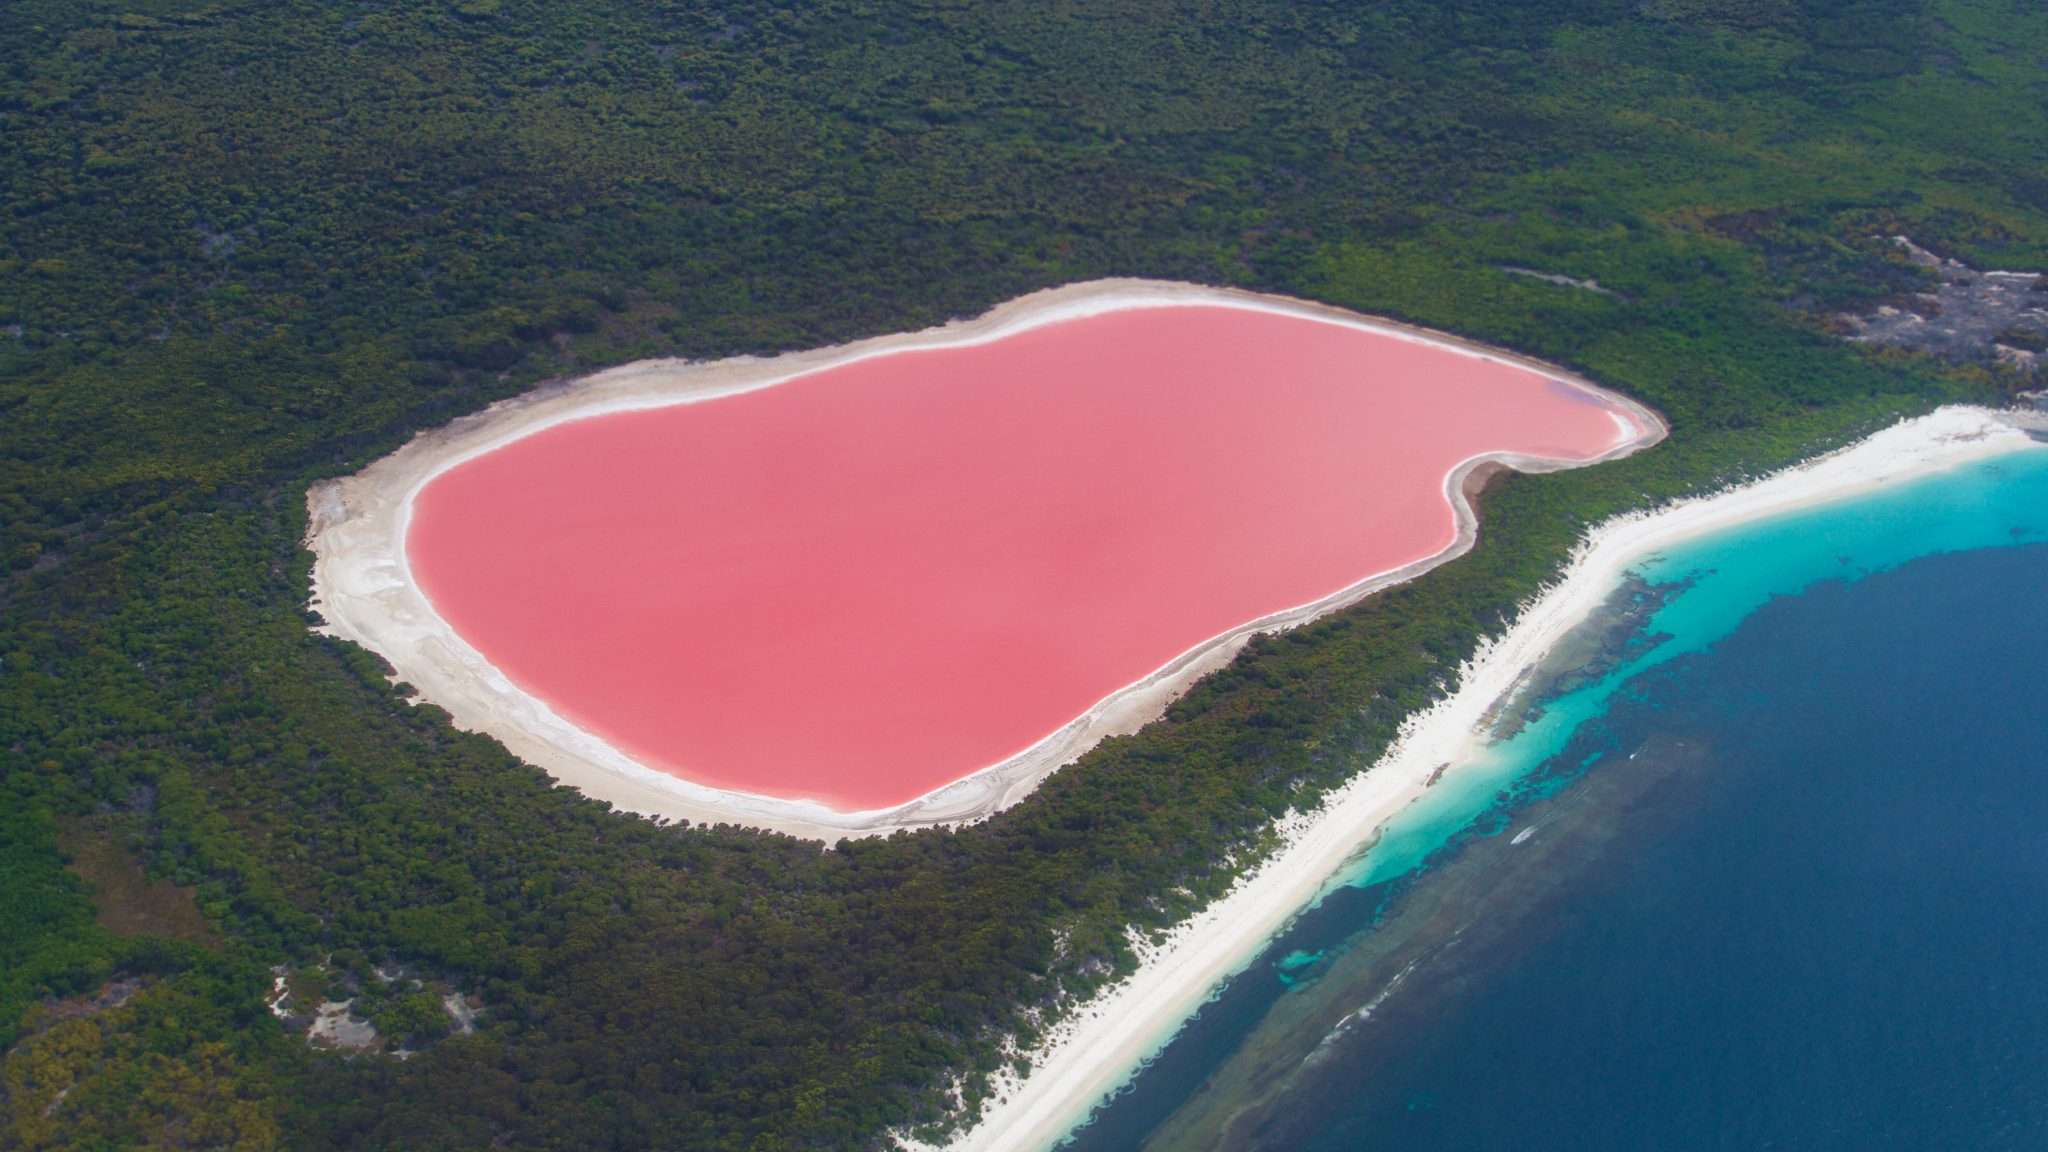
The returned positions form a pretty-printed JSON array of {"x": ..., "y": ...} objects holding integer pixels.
[
  {"x": 1707, "y": 589},
  {"x": 1733, "y": 573}
]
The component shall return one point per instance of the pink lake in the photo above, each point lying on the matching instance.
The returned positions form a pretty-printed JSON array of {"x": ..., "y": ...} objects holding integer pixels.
[{"x": 867, "y": 582}]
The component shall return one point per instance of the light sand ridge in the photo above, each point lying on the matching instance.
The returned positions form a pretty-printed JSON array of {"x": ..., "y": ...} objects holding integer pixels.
[
  {"x": 364, "y": 587},
  {"x": 1103, "y": 1044}
]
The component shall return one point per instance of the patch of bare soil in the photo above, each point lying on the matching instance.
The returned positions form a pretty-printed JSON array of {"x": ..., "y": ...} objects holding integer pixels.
[
  {"x": 1969, "y": 315},
  {"x": 127, "y": 902}
]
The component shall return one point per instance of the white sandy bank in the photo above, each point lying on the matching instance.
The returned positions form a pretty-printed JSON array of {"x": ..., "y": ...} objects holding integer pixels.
[
  {"x": 363, "y": 586},
  {"x": 1091, "y": 1055}
]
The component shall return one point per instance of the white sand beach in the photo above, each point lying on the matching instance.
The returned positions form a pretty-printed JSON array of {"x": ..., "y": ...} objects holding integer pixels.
[
  {"x": 1104, "y": 1042},
  {"x": 364, "y": 589}
]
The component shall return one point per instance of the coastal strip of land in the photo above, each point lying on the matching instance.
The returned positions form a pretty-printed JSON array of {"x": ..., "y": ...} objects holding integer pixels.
[
  {"x": 1102, "y": 1044},
  {"x": 365, "y": 591}
]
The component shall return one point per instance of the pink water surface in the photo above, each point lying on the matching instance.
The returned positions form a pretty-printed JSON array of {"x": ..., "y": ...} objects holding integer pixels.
[{"x": 862, "y": 584}]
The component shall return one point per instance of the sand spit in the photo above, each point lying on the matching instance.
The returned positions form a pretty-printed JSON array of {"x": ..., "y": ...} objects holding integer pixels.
[
  {"x": 364, "y": 588},
  {"x": 1096, "y": 1051}
]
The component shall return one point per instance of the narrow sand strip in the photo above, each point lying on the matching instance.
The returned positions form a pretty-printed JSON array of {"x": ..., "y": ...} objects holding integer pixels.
[
  {"x": 1091, "y": 1055},
  {"x": 364, "y": 587}
]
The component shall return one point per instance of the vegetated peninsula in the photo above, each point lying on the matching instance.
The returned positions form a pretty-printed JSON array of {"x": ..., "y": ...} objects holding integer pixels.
[
  {"x": 255, "y": 248},
  {"x": 1083, "y": 1059}
]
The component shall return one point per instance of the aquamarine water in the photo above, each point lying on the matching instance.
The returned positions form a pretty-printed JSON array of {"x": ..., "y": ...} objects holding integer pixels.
[
  {"x": 2001, "y": 503},
  {"x": 1991, "y": 517}
]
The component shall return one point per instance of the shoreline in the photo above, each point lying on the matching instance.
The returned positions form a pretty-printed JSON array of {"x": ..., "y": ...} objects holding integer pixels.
[
  {"x": 1106, "y": 1042},
  {"x": 364, "y": 590}
]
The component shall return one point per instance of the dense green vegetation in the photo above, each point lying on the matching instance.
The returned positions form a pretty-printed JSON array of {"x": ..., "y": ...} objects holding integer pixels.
[{"x": 246, "y": 245}]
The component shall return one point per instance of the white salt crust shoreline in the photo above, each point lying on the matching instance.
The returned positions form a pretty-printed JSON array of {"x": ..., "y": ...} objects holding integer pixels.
[
  {"x": 1106, "y": 1041},
  {"x": 364, "y": 589}
]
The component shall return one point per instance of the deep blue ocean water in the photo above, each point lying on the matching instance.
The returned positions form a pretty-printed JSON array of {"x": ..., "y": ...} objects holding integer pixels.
[{"x": 1777, "y": 880}]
